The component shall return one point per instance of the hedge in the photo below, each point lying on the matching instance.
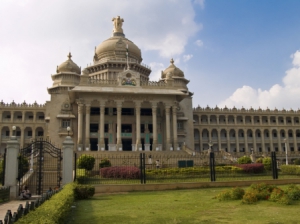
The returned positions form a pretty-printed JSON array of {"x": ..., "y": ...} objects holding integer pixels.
[
  {"x": 54, "y": 210},
  {"x": 290, "y": 169},
  {"x": 252, "y": 168},
  {"x": 126, "y": 172}
]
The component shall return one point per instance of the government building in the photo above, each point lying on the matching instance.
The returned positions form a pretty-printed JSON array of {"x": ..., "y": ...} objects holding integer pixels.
[{"x": 112, "y": 105}]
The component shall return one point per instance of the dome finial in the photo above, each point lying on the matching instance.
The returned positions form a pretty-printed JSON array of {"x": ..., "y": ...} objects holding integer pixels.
[
  {"x": 69, "y": 56},
  {"x": 172, "y": 61}
]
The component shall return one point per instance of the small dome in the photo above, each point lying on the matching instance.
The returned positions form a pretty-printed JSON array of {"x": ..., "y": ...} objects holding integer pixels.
[
  {"x": 68, "y": 66},
  {"x": 116, "y": 47},
  {"x": 176, "y": 72}
]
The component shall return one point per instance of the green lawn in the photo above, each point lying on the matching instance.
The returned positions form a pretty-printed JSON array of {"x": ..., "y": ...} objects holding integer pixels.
[{"x": 179, "y": 206}]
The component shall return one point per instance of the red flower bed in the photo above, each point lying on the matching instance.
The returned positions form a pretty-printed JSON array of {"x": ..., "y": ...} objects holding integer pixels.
[
  {"x": 124, "y": 172},
  {"x": 252, "y": 167}
]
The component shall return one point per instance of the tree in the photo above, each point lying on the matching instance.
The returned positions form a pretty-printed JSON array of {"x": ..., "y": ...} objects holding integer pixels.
[{"x": 244, "y": 160}]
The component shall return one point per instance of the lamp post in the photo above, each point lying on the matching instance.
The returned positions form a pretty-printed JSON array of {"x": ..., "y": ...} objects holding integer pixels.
[
  {"x": 210, "y": 145},
  {"x": 68, "y": 129},
  {"x": 286, "y": 154},
  {"x": 14, "y": 131}
]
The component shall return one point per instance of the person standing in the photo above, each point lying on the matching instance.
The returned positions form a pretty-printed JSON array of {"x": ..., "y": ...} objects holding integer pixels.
[{"x": 157, "y": 164}]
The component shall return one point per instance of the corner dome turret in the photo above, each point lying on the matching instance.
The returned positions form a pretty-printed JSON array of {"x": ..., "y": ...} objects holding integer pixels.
[
  {"x": 68, "y": 66},
  {"x": 173, "y": 71}
]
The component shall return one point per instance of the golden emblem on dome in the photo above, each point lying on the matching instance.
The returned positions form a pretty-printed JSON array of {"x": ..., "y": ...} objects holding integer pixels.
[{"x": 118, "y": 23}]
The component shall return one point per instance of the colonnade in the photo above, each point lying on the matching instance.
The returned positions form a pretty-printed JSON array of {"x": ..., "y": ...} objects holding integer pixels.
[
  {"x": 169, "y": 145},
  {"x": 258, "y": 139}
]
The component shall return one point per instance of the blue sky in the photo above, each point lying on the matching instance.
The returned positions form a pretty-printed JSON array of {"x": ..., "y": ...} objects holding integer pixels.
[{"x": 234, "y": 52}]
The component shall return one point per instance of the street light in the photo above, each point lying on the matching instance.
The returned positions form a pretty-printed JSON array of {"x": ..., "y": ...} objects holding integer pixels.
[
  {"x": 286, "y": 155},
  {"x": 14, "y": 130},
  {"x": 68, "y": 129},
  {"x": 210, "y": 145}
]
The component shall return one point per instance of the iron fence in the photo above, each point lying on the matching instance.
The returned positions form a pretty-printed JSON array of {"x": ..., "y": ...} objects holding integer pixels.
[{"x": 143, "y": 168}]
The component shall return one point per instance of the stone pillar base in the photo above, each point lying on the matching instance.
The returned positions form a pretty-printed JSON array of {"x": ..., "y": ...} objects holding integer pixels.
[
  {"x": 138, "y": 147},
  {"x": 147, "y": 147},
  {"x": 79, "y": 147},
  {"x": 112, "y": 147}
]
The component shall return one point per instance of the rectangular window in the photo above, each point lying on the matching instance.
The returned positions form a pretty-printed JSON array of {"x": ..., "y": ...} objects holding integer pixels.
[
  {"x": 19, "y": 117},
  {"x": 30, "y": 117},
  {"x": 179, "y": 125},
  {"x": 42, "y": 117},
  {"x": 7, "y": 116},
  {"x": 18, "y": 133},
  {"x": 93, "y": 128},
  {"x": 40, "y": 133},
  {"x": 65, "y": 123},
  {"x": 95, "y": 111},
  {"x": 29, "y": 133},
  {"x": 7, "y": 133}
]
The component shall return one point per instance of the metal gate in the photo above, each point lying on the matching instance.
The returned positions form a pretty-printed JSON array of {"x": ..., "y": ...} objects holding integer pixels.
[{"x": 39, "y": 167}]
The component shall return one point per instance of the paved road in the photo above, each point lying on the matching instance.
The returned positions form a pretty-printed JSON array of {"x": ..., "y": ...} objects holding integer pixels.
[{"x": 11, "y": 205}]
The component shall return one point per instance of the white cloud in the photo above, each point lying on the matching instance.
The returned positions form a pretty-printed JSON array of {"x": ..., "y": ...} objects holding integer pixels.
[
  {"x": 200, "y": 2},
  {"x": 199, "y": 43},
  {"x": 276, "y": 97},
  {"x": 187, "y": 57},
  {"x": 37, "y": 36},
  {"x": 156, "y": 68},
  {"x": 296, "y": 58}
]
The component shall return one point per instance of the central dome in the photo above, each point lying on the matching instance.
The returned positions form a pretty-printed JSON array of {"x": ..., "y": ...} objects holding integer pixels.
[{"x": 116, "y": 47}]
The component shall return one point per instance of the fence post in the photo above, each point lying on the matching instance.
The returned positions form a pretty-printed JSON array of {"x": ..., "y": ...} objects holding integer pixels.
[
  {"x": 274, "y": 166},
  {"x": 144, "y": 167},
  {"x": 11, "y": 166},
  {"x": 75, "y": 166},
  {"x": 212, "y": 167},
  {"x": 141, "y": 168},
  {"x": 68, "y": 153}
]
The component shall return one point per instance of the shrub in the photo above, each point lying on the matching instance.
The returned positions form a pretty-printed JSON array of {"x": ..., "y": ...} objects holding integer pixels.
[
  {"x": 83, "y": 191},
  {"x": 252, "y": 168},
  {"x": 259, "y": 160},
  {"x": 276, "y": 194},
  {"x": 267, "y": 163},
  {"x": 290, "y": 169},
  {"x": 86, "y": 162},
  {"x": 244, "y": 160},
  {"x": 263, "y": 190},
  {"x": 296, "y": 162},
  {"x": 126, "y": 172},
  {"x": 249, "y": 197},
  {"x": 104, "y": 163},
  {"x": 293, "y": 192},
  {"x": 54, "y": 210},
  {"x": 1, "y": 170},
  {"x": 231, "y": 194}
]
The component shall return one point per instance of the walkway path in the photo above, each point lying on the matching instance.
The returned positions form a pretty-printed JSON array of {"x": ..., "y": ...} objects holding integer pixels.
[{"x": 11, "y": 205}]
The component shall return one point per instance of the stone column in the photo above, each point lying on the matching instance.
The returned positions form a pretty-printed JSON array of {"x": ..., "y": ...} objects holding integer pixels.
[
  {"x": 246, "y": 139},
  {"x": 87, "y": 126},
  {"x": 22, "y": 137},
  {"x": 80, "y": 119},
  {"x": 228, "y": 139},
  {"x": 154, "y": 125},
  {"x": 271, "y": 140},
  {"x": 138, "y": 144},
  {"x": 263, "y": 148},
  {"x": 119, "y": 114},
  {"x": 295, "y": 141},
  {"x": 219, "y": 139},
  {"x": 101, "y": 142},
  {"x": 11, "y": 166},
  {"x": 254, "y": 140},
  {"x": 168, "y": 142},
  {"x": 237, "y": 139},
  {"x": 34, "y": 116},
  {"x": 175, "y": 142},
  {"x": 68, "y": 153}
]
